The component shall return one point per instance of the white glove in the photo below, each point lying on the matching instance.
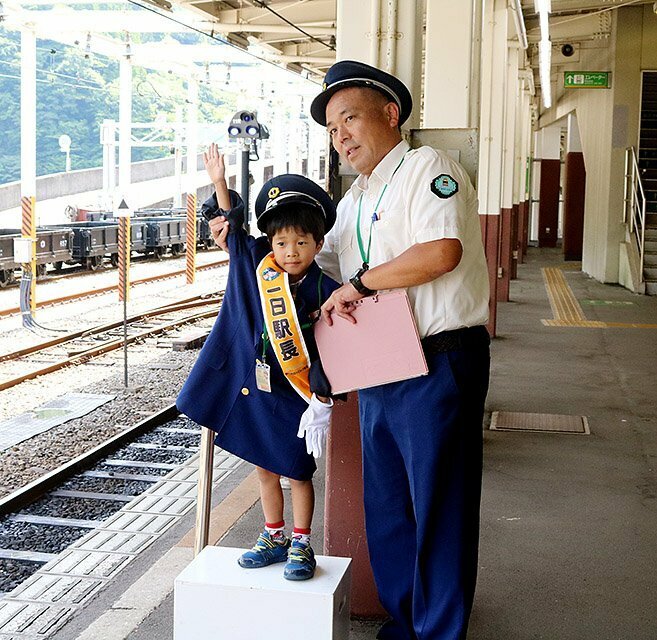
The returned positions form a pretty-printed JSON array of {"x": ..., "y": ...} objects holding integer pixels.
[{"x": 314, "y": 425}]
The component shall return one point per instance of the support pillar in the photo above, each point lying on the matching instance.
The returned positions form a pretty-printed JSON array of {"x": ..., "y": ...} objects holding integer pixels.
[
  {"x": 108, "y": 140},
  {"x": 451, "y": 95},
  {"x": 515, "y": 223},
  {"x": 573, "y": 194},
  {"x": 279, "y": 140},
  {"x": 524, "y": 163},
  {"x": 387, "y": 35},
  {"x": 507, "y": 247},
  {"x": 548, "y": 206},
  {"x": 28, "y": 153},
  {"x": 125, "y": 167},
  {"x": 125, "y": 127},
  {"x": 521, "y": 149},
  {"x": 192, "y": 158},
  {"x": 344, "y": 519},
  {"x": 523, "y": 230},
  {"x": 491, "y": 140},
  {"x": 178, "y": 142}
]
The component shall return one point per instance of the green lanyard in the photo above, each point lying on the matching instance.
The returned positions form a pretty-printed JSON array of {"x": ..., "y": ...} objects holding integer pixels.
[
  {"x": 307, "y": 325},
  {"x": 373, "y": 219}
]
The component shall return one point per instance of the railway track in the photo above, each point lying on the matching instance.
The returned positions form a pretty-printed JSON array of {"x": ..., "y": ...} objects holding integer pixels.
[
  {"x": 112, "y": 288},
  {"x": 42, "y": 519},
  {"x": 81, "y": 346},
  {"x": 64, "y": 536}
]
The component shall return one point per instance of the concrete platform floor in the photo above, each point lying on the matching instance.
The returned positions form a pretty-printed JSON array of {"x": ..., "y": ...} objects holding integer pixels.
[{"x": 568, "y": 541}]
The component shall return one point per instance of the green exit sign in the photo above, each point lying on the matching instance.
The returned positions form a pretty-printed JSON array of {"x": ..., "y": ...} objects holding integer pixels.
[{"x": 586, "y": 79}]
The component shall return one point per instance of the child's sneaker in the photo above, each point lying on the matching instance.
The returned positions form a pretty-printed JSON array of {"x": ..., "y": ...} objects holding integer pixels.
[
  {"x": 300, "y": 562},
  {"x": 266, "y": 551}
]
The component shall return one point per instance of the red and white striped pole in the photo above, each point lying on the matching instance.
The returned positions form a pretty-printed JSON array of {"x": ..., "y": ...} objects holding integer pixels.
[
  {"x": 124, "y": 258},
  {"x": 192, "y": 158},
  {"x": 28, "y": 153},
  {"x": 28, "y": 230},
  {"x": 190, "y": 268}
]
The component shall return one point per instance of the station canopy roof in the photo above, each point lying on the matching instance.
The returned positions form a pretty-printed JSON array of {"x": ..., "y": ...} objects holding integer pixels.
[{"x": 298, "y": 35}]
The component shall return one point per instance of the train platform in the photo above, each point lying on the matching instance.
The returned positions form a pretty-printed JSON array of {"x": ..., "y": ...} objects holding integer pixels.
[{"x": 569, "y": 508}]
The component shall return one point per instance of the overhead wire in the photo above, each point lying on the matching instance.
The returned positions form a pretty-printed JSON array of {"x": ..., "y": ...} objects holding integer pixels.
[
  {"x": 59, "y": 83},
  {"x": 263, "y": 5},
  {"x": 215, "y": 38}
]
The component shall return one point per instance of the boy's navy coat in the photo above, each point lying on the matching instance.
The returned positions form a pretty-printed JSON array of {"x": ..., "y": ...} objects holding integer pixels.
[{"x": 221, "y": 391}]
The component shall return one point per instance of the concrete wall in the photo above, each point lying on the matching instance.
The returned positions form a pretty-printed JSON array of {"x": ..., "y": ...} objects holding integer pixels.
[
  {"x": 649, "y": 39},
  {"x": 609, "y": 123},
  {"x": 64, "y": 184}
]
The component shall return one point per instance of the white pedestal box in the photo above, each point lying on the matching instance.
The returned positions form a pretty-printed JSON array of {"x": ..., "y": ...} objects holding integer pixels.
[{"x": 215, "y": 599}]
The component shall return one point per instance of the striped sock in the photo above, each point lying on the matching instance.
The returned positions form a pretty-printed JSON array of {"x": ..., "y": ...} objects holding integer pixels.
[
  {"x": 276, "y": 530},
  {"x": 302, "y": 535}
]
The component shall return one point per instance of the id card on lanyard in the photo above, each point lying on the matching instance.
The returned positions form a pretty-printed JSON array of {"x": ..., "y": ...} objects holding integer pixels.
[{"x": 263, "y": 376}]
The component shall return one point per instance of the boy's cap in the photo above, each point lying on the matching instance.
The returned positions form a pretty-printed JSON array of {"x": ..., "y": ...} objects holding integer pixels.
[
  {"x": 288, "y": 189},
  {"x": 349, "y": 73}
]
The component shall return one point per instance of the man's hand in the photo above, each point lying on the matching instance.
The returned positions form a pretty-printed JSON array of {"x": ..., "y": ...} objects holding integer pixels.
[
  {"x": 214, "y": 164},
  {"x": 219, "y": 228},
  {"x": 341, "y": 302}
]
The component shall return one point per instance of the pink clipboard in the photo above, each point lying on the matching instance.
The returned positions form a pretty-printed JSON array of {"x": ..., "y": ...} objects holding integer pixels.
[{"x": 383, "y": 346}]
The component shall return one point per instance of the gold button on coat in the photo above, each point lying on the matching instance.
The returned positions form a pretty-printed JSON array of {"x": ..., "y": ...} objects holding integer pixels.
[{"x": 245, "y": 391}]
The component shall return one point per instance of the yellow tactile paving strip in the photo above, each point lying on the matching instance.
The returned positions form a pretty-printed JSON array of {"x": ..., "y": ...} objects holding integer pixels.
[{"x": 566, "y": 309}]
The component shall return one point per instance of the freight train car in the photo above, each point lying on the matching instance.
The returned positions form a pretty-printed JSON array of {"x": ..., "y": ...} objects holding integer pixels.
[{"x": 53, "y": 246}]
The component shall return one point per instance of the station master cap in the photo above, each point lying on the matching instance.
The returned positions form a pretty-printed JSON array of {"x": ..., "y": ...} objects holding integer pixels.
[
  {"x": 291, "y": 189},
  {"x": 349, "y": 73}
]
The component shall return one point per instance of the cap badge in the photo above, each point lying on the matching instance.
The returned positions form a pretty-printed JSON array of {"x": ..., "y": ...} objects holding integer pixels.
[
  {"x": 273, "y": 192},
  {"x": 270, "y": 274},
  {"x": 324, "y": 85},
  {"x": 444, "y": 186}
]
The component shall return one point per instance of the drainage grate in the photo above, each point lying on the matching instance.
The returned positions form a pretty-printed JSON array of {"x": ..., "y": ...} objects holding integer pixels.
[{"x": 547, "y": 422}]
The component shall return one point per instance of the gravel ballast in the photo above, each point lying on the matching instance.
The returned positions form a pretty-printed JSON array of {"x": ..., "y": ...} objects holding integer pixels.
[
  {"x": 150, "y": 387},
  {"x": 44, "y": 538},
  {"x": 13, "y": 572}
]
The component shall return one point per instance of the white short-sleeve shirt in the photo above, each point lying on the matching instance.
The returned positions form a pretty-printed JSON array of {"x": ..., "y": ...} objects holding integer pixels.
[{"x": 428, "y": 197}]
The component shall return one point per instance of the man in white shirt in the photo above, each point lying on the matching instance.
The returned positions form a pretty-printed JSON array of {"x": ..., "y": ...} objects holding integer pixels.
[{"x": 410, "y": 221}]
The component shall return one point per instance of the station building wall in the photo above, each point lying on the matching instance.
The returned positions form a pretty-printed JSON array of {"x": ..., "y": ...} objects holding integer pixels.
[{"x": 608, "y": 120}]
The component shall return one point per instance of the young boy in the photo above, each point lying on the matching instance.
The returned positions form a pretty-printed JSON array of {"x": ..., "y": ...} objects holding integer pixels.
[{"x": 251, "y": 383}]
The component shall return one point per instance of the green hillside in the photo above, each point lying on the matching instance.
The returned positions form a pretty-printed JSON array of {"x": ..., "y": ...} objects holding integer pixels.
[{"x": 76, "y": 92}]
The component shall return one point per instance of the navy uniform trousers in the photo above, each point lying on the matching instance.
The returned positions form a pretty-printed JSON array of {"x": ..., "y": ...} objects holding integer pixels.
[{"x": 422, "y": 467}]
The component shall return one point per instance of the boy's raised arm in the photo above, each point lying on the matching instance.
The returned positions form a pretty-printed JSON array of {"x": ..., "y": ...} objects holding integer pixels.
[{"x": 216, "y": 168}]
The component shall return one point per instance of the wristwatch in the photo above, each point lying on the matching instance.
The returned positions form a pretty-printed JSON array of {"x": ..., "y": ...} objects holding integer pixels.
[{"x": 356, "y": 281}]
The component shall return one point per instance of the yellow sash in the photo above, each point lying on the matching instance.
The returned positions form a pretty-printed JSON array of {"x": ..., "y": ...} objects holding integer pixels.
[{"x": 283, "y": 325}]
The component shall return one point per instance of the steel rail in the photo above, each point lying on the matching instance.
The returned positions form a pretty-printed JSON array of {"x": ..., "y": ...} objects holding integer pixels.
[
  {"x": 89, "y": 294},
  {"x": 94, "y": 352},
  {"x": 187, "y": 303},
  {"x": 35, "y": 489}
]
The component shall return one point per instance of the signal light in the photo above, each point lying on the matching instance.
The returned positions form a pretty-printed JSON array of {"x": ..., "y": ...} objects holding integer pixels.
[{"x": 244, "y": 124}]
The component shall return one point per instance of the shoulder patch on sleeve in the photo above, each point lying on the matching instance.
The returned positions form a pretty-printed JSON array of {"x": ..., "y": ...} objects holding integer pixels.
[{"x": 444, "y": 186}]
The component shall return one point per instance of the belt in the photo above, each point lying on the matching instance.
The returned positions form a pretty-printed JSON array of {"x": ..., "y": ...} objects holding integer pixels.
[{"x": 455, "y": 340}]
